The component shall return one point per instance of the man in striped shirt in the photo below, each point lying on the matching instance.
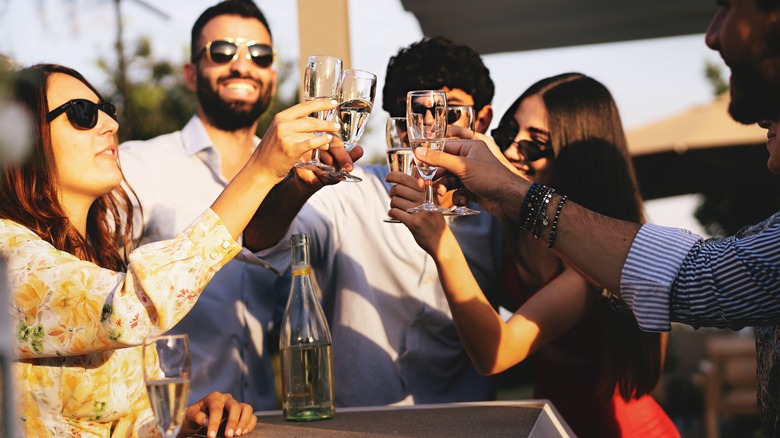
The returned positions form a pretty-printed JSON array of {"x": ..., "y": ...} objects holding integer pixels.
[{"x": 666, "y": 274}]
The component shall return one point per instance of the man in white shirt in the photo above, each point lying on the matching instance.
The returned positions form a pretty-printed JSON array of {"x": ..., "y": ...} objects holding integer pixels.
[
  {"x": 394, "y": 341},
  {"x": 178, "y": 175}
]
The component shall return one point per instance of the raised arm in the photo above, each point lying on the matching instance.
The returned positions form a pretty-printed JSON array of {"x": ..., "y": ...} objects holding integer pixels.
[
  {"x": 492, "y": 344},
  {"x": 595, "y": 244}
]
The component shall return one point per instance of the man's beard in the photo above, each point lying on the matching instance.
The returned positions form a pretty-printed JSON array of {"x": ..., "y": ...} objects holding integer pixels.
[
  {"x": 230, "y": 116},
  {"x": 755, "y": 81},
  {"x": 755, "y": 93}
]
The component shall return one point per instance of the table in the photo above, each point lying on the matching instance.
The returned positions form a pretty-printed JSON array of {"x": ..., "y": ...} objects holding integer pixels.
[{"x": 527, "y": 418}]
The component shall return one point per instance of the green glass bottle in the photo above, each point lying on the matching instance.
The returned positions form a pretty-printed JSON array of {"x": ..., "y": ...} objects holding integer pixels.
[{"x": 305, "y": 345}]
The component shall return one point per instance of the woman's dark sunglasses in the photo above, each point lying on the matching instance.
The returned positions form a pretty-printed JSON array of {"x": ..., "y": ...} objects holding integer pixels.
[
  {"x": 224, "y": 51},
  {"x": 82, "y": 113},
  {"x": 531, "y": 150}
]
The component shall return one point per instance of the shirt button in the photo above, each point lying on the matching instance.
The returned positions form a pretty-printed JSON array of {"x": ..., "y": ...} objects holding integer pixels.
[
  {"x": 226, "y": 244},
  {"x": 214, "y": 256}
]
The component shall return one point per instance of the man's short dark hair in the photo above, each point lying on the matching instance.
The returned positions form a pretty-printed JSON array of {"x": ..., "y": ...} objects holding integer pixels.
[
  {"x": 242, "y": 8},
  {"x": 431, "y": 64}
]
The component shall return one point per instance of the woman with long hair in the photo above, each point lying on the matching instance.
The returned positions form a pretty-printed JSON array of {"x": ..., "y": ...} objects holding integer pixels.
[
  {"x": 82, "y": 298},
  {"x": 589, "y": 358}
]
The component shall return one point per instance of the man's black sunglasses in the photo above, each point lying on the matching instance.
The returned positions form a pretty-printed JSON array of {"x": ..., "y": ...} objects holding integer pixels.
[
  {"x": 531, "y": 150},
  {"x": 224, "y": 51},
  {"x": 82, "y": 113}
]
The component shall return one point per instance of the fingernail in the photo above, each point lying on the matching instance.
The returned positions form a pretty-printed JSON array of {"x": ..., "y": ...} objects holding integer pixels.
[
  {"x": 330, "y": 137},
  {"x": 348, "y": 167},
  {"x": 238, "y": 432},
  {"x": 229, "y": 433},
  {"x": 337, "y": 126},
  {"x": 213, "y": 434},
  {"x": 333, "y": 101}
]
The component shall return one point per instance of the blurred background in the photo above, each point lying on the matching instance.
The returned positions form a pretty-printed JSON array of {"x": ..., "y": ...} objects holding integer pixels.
[{"x": 697, "y": 168}]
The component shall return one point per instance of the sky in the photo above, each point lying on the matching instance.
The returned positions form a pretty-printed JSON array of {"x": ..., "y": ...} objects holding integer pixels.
[{"x": 650, "y": 79}]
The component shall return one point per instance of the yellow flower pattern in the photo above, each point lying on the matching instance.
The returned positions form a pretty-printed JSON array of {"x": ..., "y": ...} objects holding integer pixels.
[{"x": 77, "y": 327}]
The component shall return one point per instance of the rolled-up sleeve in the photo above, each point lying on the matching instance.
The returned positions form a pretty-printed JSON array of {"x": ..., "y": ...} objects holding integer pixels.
[{"x": 653, "y": 262}]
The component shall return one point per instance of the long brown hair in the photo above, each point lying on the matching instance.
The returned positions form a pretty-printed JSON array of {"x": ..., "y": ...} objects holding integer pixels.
[
  {"x": 29, "y": 190},
  {"x": 593, "y": 167}
]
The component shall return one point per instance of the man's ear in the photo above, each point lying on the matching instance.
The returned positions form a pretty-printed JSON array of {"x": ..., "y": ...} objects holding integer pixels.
[
  {"x": 190, "y": 76},
  {"x": 484, "y": 117}
]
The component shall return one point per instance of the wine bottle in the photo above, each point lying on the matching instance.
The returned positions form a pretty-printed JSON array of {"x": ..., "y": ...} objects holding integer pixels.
[{"x": 305, "y": 345}]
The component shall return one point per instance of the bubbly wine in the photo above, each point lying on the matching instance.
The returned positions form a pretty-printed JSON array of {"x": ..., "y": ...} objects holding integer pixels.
[
  {"x": 307, "y": 388},
  {"x": 169, "y": 401},
  {"x": 425, "y": 170},
  {"x": 353, "y": 115},
  {"x": 400, "y": 160}
]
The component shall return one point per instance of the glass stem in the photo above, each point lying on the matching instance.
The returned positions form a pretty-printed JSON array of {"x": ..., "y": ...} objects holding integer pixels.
[
  {"x": 428, "y": 192},
  {"x": 315, "y": 155}
]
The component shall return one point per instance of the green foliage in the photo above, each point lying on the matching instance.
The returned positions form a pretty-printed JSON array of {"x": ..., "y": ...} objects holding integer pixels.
[
  {"x": 157, "y": 101},
  {"x": 714, "y": 76}
]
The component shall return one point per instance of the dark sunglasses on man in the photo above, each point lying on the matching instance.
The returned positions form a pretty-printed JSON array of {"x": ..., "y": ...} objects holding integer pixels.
[
  {"x": 226, "y": 50},
  {"x": 82, "y": 113},
  {"x": 532, "y": 150}
]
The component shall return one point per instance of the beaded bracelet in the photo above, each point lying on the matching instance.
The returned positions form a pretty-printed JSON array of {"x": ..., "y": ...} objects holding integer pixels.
[
  {"x": 524, "y": 205},
  {"x": 541, "y": 219},
  {"x": 554, "y": 229},
  {"x": 528, "y": 210}
]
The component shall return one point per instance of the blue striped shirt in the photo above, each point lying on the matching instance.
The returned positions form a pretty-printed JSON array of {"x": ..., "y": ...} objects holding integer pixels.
[{"x": 674, "y": 275}]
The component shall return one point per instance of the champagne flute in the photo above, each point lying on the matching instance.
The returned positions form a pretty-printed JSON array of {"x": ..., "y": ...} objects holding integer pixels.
[
  {"x": 356, "y": 99},
  {"x": 399, "y": 152},
  {"x": 463, "y": 116},
  {"x": 167, "y": 370},
  {"x": 426, "y": 119},
  {"x": 321, "y": 80}
]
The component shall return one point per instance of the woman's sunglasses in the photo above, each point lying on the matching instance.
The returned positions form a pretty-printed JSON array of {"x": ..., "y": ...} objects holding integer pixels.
[
  {"x": 531, "y": 150},
  {"x": 224, "y": 51},
  {"x": 82, "y": 113}
]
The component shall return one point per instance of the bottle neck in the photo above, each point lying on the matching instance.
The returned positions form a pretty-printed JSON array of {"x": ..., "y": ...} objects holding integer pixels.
[{"x": 300, "y": 259}]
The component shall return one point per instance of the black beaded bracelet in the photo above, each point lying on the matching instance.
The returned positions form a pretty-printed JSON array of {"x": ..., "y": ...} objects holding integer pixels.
[
  {"x": 524, "y": 206},
  {"x": 554, "y": 229},
  {"x": 541, "y": 219}
]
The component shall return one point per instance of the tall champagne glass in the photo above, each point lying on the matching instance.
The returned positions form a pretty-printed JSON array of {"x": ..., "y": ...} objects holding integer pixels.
[
  {"x": 321, "y": 80},
  {"x": 462, "y": 116},
  {"x": 356, "y": 99},
  {"x": 426, "y": 119},
  {"x": 167, "y": 370},
  {"x": 399, "y": 152}
]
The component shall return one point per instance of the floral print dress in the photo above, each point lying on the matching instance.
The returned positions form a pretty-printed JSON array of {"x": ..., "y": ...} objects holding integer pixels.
[{"x": 78, "y": 326}]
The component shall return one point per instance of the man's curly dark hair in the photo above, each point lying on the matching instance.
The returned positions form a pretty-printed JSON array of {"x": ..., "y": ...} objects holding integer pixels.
[{"x": 431, "y": 64}]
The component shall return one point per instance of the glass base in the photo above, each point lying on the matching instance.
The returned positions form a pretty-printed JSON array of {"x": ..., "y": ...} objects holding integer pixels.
[
  {"x": 427, "y": 208},
  {"x": 312, "y": 414},
  {"x": 315, "y": 165},
  {"x": 390, "y": 220},
  {"x": 461, "y": 211},
  {"x": 344, "y": 176}
]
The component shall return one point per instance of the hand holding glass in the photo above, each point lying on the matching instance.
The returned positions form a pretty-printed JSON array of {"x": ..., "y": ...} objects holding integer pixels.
[
  {"x": 167, "y": 370},
  {"x": 356, "y": 99},
  {"x": 321, "y": 80},
  {"x": 462, "y": 116},
  {"x": 426, "y": 118},
  {"x": 399, "y": 152}
]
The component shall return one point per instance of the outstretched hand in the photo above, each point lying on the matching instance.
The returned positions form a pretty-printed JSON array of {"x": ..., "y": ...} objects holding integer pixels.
[
  {"x": 337, "y": 156},
  {"x": 291, "y": 135},
  {"x": 219, "y": 414},
  {"x": 427, "y": 228},
  {"x": 480, "y": 167}
]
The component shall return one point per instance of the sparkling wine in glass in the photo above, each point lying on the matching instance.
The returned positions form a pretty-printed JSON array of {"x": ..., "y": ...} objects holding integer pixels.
[
  {"x": 426, "y": 118},
  {"x": 356, "y": 99},
  {"x": 462, "y": 116},
  {"x": 321, "y": 81},
  {"x": 167, "y": 370},
  {"x": 399, "y": 151}
]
